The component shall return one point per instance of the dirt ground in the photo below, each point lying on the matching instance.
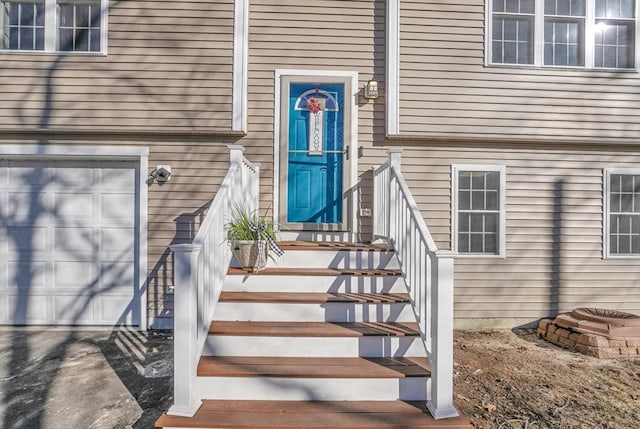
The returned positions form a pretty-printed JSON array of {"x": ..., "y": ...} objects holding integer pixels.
[{"x": 514, "y": 380}]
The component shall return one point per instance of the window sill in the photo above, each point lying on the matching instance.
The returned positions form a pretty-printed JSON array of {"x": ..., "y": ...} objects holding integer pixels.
[
  {"x": 477, "y": 256},
  {"x": 557, "y": 68},
  {"x": 51, "y": 53}
]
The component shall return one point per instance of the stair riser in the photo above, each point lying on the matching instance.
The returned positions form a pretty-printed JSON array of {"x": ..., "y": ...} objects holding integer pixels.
[
  {"x": 355, "y": 284},
  {"x": 223, "y": 345},
  {"x": 315, "y": 389},
  {"x": 330, "y": 259},
  {"x": 329, "y": 312}
]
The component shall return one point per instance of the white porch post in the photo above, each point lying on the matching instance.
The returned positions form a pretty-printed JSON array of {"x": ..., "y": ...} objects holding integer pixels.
[
  {"x": 185, "y": 329},
  {"x": 440, "y": 403},
  {"x": 395, "y": 163}
]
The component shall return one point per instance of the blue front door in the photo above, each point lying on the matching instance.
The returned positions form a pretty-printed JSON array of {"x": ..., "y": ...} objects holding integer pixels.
[{"x": 315, "y": 153}]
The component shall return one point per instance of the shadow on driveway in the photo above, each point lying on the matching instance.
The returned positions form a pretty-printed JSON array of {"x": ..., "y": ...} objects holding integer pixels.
[{"x": 63, "y": 378}]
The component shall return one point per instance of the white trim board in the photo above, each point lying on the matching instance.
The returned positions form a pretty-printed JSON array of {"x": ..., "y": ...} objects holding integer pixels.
[
  {"x": 393, "y": 67},
  {"x": 606, "y": 214},
  {"x": 240, "y": 65},
  {"x": 111, "y": 153},
  {"x": 353, "y": 149},
  {"x": 502, "y": 233}
]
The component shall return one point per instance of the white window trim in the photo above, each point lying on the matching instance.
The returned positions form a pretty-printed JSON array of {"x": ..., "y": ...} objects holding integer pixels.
[
  {"x": 110, "y": 153},
  {"x": 51, "y": 32},
  {"x": 607, "y": 172},
  {"x": 502, "y": 232},
  {"x": 538, "y": 48}
]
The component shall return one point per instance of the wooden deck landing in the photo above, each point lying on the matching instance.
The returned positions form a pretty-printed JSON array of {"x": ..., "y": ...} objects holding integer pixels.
[{"x": 312, "y": 415}]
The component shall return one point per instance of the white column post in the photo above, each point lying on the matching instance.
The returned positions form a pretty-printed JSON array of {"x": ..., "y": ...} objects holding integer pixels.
[
  {"x": 185, "y": 329},
  {"x": 395, "y": 163},
  {"x": 440, "y": 403},
  {"x": 236, "y": 156}
]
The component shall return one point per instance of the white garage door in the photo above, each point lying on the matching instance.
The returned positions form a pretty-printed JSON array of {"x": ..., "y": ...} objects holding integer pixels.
[{"x": 68, "y": 243}]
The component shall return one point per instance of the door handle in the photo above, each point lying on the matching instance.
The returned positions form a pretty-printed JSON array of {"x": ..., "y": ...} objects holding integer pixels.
[{"x": 346, "y": 152}]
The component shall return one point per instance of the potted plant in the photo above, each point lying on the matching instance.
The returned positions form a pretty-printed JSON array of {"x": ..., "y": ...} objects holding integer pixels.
[{"x": 250, "y": 236}]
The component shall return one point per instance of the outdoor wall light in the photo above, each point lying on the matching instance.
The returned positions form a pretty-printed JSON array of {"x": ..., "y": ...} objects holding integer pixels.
[
  {"x": 371, "y": 89},
  {"x": 162, "y": 173}
]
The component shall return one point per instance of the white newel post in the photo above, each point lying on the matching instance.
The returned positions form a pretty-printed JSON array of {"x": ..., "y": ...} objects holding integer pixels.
[
  {"x": 185, "y": 329},
  {"x": 440, "y": 403},
  {"x": 395, "y": 163},
  {"x": 236, "y": 156}
]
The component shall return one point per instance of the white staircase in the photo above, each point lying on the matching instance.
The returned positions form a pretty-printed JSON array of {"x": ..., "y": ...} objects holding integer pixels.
[{"x": 330, "y": 323}]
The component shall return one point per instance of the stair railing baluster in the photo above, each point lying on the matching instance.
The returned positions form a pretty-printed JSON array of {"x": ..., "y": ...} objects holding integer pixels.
[
  {"x": 428, "y": 273},
  {"x": 200, "y": 269}
]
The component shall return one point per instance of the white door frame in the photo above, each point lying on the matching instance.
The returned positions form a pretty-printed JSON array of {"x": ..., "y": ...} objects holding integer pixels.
[
  {"x": 351, "y": 187},
  {"x": 104, "y": 153}
]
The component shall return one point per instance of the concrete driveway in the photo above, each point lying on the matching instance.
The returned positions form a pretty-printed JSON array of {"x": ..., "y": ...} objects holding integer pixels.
[{"x": 57, "y": 378}]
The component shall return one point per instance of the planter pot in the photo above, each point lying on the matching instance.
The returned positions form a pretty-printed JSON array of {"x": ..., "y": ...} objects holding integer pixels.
[{"x": 247, "y": 254}]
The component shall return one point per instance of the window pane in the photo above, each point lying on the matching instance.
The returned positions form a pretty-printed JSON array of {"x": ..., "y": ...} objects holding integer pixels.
[
  {"x": 512, "y": 43},
  {"x": 66, "y": 40},
  {"x": 477, "y": 180},
  {"x": 510, "y": 53},
  {"x": 464, "y": 180},
  {"x": 26, "y": 14},
  {"x": 493, "y": 180},
  {"x": 527, "y": 6},
  {"x": 477, "y": 200},
  {"x": 627, "y": 183},
  {"x": 14, "y": 38},
  {"x": 578, "y": 8},
  {"x": 66, "y": 15},
  {"x": 626, "y": 203},
  {"x": 463, "y": 243},
  {"x": 39, "y": 39},
  {"x": 491, "y": 222},
  {"x": 463, "y": 222},
  {"x": 615, "y": 180},
  {"x": 498, "y": 5},
  {"x": 95, "y": 40},
  {"x": 26, "y": 38},
  {"x": 615, "y": 203},
  {"x": 464, "y": 200},
  {"x": 613, "y": 8},
  {"x": 491, "y": 243},
  {"x": 492, "y": 200},
  {"x": 512, "y": 6},
  {"x": 601, "y": 8},
  {"x": 635, "y": 244},
  {"x": 82, "y": 40},
  {"x": 627, "y": 9},
  {"x": 613, "y": 244},
  {"x": 563, "y": 7},
  {"x": 82, "y": 16},
  {"x": 477, "y": 243},
  {"x": 624, "y": 244},
  {"x": 477, "y": 222},
  {"x": 550, "y": 7},
  {"x": 95, "y": 16}
]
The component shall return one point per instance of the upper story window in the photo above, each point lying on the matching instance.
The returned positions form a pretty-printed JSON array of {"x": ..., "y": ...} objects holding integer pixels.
[
  {"x": 622, "y": 212},
  {"x": 563, "y": 33},
  {"x": 53, "y": 25},
  {"x": 478, "y": 216}
]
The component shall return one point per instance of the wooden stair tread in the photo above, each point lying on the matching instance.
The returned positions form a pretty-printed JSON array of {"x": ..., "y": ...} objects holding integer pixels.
[
  {"x": 314, "y": 329},
  {"x": 315, "y": 298},
  {"x": 332, "y": 246},
  {"x": 312, "y": 415},
  {"x": 312, "y": 367},
  {"x": 282, "y": 271}
]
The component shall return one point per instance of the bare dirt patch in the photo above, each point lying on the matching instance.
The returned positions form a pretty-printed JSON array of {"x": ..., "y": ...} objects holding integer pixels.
[{"x": 514, "y": 380}]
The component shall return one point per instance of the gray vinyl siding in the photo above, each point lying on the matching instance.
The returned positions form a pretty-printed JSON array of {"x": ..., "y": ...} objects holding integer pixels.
[
  {"x": 169, "y": 67},
  {"x": 554, "y": 231},
  {"x": 445, "y": 89}
]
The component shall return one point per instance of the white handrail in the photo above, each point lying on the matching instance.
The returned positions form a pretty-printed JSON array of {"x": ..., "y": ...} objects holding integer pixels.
[
  {"x": 200, "y": 268},
  {"x": 428, "y": 273}
]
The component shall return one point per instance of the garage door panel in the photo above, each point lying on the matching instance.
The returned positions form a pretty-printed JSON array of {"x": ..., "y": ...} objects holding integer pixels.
[
  {"x": 27, "y": 208},
  {"x": 74, "y": 309},
  {"x": 73, "y": 177},
  {"x": 117, "y": 178},
  {"x": 74, "y": 275},
  {"x": 31, "y": 275},
  {"x": 70, "y": 242},
  {"x": 74, "y": 241},
  {"x": 116, "y": 242},
  {"x": 24, "y": 174},
  {"x": 32, "y": 309},
  {"x": 26, "y": 240},
  {"x": 117, "y": 208},
  {"x": 76, "y": 206},
  {"x": 116, "y": 277},
  {"x": 117, "y": 308}
]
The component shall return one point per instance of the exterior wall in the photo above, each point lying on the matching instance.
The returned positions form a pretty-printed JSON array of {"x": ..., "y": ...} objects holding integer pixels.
[
  {"x": 175, "y": 209},
  {"x": 166, "y": 84},
  {"x": 554, "y": 232},
  {"x": 324, "y": 35},
  {"x": 446, "y": 91},
  {"x": 168, "y": 68}
]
